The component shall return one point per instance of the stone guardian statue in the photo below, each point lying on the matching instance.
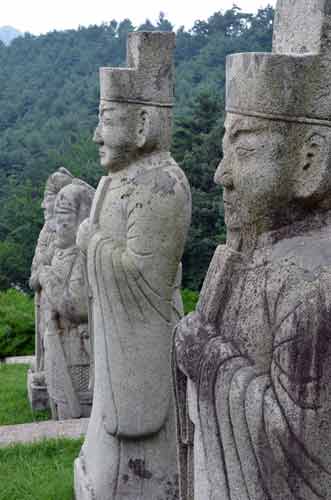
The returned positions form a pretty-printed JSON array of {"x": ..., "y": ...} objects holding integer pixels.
[
  {"x": 254, "y": 359},
  {"x": 44, "y": 252},
  {"x": 135, "y": 239},
  {"x": 67, "y": 342}
]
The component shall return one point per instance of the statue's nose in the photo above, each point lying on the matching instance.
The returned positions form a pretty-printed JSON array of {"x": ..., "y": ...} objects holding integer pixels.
[
  {"x": 223, "y": 174},
  {"x": 97, "y": 136}
]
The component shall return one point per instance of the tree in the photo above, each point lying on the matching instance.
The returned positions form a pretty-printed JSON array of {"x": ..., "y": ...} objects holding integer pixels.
[
  {"x": 49, "y": 93},
  {"x": 147, "y": 26},
  {"x": 163, "y": 24},
  {"x": 20, "y": 224},
  {"x": 203, "y": 129}
]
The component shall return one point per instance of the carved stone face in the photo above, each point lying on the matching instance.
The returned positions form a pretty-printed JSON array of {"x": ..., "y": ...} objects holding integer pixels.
[
  {"x": 48, "y": 205},
  {"x": 66, "y": 228},
  {"x": 116, "y": 134},
  {"x": 254, "y": 172}
]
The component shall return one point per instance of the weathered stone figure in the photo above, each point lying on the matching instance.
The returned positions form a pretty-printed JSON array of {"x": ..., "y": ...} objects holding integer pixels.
[
  {"x": 135, "y": 237},
  {"x": 67, "y": 343},
  {"x": 43, "y": 256},
  {"x": 257, "y": 351}
]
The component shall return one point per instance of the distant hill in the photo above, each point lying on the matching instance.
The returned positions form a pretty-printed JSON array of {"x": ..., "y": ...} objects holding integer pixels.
[
  {"x": 8, "y": 34},
  {"x": 49, "y": 98}
]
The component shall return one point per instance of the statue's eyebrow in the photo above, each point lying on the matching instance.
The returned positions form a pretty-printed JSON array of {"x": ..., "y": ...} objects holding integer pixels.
[
  {"x": 238, "y": 128},
  {"x": 106, "y": 107}
]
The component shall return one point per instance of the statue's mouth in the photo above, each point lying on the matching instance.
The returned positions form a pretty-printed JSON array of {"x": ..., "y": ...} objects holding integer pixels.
[{"x": 227, "y": 204}]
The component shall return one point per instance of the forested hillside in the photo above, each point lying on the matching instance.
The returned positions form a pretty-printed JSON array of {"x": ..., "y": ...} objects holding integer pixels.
[
  {"x": 49, "y": 106},
  {"x": 8, "y": 34}
]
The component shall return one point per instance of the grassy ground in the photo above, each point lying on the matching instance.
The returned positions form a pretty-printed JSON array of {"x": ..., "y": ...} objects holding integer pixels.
[
  {"x": 42, "y": 471},
  {"x": 190, "y": 300},
  {"x": 14, "y": 404}
]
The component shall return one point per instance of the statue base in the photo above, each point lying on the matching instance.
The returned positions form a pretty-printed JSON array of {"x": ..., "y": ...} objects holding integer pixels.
[
  {"x": 62, "y": 410},
  {"x": 83, "y": 489},
  {"x": 37, "y": 391}
]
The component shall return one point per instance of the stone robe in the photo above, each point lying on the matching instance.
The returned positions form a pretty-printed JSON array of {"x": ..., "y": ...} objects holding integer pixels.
[
  {"x": 43, "y": 256},
  {"x": 139, "y": 221},
  {"x": 262, "y": 397},
  {"x": 67, "y": 353},
  {"x": 141, "y": 228}
]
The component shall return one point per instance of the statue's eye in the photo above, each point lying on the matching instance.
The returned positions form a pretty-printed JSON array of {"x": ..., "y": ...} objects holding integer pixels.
[
  {"x": 106, "y": 121},
  {"x": 243, "y": 151}
]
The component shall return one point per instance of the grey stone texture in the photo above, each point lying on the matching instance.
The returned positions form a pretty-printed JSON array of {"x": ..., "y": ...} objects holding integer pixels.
[
  {"x": 258, "y": 83},
  {"x": 66, "y": 337},
  {"x": 134, "y": 241},
  {"x": 37, "y": 390},
  {"x": 302, "y": 27},
  {"x": 252, "y": 364}
]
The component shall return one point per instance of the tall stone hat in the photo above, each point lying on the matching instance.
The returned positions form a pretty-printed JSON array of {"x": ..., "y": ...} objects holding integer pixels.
[
  {"x": 148, "y": 78},
  {"x": 293, "y": 83}
]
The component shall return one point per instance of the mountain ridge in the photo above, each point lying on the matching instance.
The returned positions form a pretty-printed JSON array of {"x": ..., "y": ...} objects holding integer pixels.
[{"x": 8, "y": 34}]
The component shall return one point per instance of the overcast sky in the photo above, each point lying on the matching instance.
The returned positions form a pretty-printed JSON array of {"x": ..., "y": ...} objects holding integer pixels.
[{"x": 41, "y": 16}]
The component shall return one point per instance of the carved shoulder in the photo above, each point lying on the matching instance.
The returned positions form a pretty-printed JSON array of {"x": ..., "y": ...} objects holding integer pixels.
[{"x": 165, "y": 180}]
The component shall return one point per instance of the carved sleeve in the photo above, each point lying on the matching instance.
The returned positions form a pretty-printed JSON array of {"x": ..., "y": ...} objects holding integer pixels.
[
  {"x": 42, "y": 257},
  {"x": 136, "y": 279},
  {"x": 297, "y": 404},
  {"x": 67, "y": 293},
  {"x": 157, "y": 223},
  {"x": 273, "y": 428},
  {"x": 290, "y": 433}
]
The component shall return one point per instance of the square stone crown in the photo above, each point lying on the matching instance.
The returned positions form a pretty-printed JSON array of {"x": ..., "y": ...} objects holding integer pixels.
[
  {"x": 280, "y": 86},
  {"x": 149, "y": 75},
  {"x": 293, "y": 82}
]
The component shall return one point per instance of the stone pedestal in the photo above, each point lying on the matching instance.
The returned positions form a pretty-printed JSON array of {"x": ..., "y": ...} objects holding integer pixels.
[{"x": 37, "y": 390}]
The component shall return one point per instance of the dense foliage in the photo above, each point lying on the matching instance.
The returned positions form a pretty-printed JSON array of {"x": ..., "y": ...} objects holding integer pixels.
[
  {"x": 49, "y": 104},
  {"x": 16, "y": 324}
]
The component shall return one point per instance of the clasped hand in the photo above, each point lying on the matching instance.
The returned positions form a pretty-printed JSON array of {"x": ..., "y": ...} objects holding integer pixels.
[{"x": 191, "y": 335}]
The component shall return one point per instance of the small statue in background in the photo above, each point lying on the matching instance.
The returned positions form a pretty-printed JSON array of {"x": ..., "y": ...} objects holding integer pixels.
[
  {"x": 67, "y": 341},
  {"x": 44, "y": 252}
]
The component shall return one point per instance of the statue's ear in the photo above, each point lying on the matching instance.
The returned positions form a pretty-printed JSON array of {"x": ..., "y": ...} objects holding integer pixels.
[
  {"x": 312, "y": 173},
  {"x": 143, "y": 128}
]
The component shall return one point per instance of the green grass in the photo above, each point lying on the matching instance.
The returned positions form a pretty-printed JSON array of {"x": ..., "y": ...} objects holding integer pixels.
[
  {"x": 42, "y": 471},
  {"x": 14, "y": 404},
  {"x": 190, "y": 299}
]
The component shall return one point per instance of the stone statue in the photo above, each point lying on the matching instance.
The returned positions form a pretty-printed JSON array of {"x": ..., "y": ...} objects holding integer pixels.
[
  {"x": 67, "y": 343},
  {"x": 44, "y": 252},
  {"x": 135, "y": 239},
  {"x": 253, "y": 377}
]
